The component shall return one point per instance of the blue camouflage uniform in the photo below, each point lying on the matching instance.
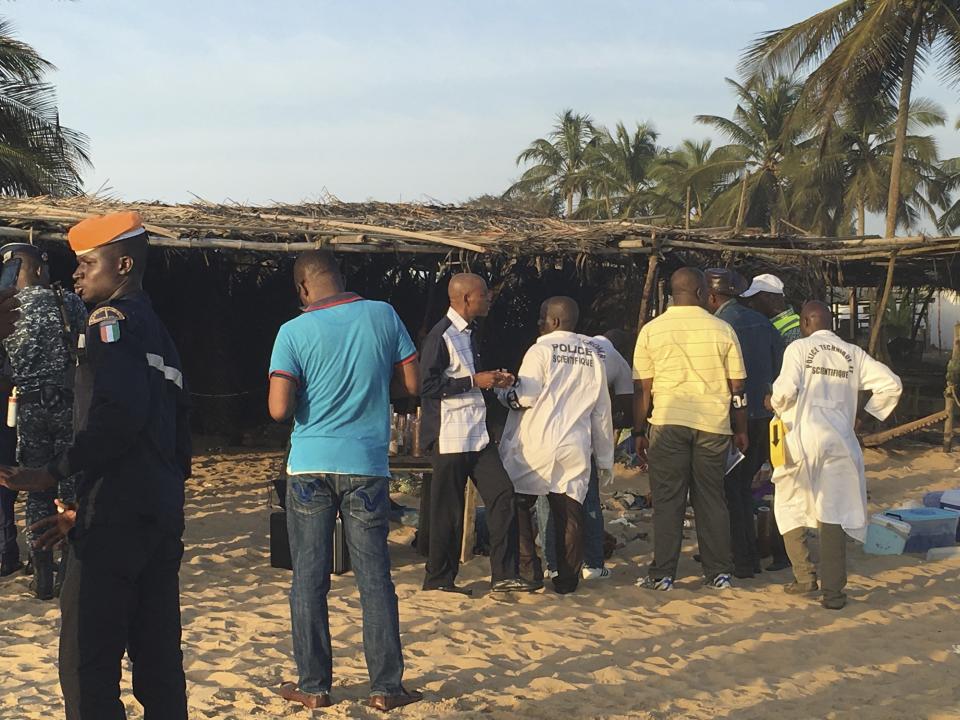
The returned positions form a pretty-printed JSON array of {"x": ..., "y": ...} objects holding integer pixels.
[{"x": 41, "y": 352}]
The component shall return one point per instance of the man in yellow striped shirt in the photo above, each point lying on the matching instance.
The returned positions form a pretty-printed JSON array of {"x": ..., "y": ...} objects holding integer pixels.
[{"x": 689, "y": 368}]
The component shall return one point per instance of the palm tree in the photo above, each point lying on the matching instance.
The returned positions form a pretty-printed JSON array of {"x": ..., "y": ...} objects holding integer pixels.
[
  {"x": 950, "y": 220},
  {"x": 689, "y": 176},
  {"x": 851, "y": 176},
  {"x": 864, "y": 48},
  {"x": 762, "y": 136},
  {"x": 867, "y": 138},
  {"x": 559, "y": 161},
  {"x": 38, "y": 156},
  {"x": 617, "y": 172}
]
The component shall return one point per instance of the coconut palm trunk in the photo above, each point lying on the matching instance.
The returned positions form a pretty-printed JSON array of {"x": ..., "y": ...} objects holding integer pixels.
[
  {"x": 861, "y": 217},
  {"x": 896, "y": 166}
]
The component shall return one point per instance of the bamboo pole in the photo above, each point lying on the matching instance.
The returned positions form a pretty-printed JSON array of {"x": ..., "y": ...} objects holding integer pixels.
[
  {"x": 761, "y": 251},
  {"x": 162, "y": 227},
  {"x": 341, "y": 243},
  {"x": 413, "y": 235}
]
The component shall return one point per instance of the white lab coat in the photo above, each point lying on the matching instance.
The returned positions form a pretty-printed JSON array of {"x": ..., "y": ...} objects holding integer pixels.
[
  {"x": 619, "y": 372},
  {"x": 816, "y": 396},
  {"x": 546, "y": 447}
]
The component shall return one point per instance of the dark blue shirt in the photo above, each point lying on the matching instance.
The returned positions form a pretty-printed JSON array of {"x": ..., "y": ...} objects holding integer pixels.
[
  {"x": 762, "y": 349},
  {"x": 132, "y": 417}
]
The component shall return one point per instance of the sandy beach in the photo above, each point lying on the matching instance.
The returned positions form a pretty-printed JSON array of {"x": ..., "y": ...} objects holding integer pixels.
[{"x": 608, "y": 651}]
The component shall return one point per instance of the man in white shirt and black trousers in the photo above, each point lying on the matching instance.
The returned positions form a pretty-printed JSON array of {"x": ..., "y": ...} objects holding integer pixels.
[{"x": 454, "y": 431}]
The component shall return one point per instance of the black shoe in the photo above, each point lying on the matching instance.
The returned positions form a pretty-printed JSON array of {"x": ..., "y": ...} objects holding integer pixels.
[
  {"x": 455, "y": 589},
  {"x": 696, "y": 558},
  {"x": 43, "y": 574},
  {"x": 834, "y": 603},
  {"x": 386, "y": 703},
  {"x": 778, "y": 565},
  {"x": 743, "y": 574},
  {"x": 517, "y": 584}
]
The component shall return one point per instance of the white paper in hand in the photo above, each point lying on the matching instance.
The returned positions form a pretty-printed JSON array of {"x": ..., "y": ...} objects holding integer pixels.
[{"x": 734, "y": 458}]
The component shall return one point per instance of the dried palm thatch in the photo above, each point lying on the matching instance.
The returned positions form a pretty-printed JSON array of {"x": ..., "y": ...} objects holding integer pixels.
[{"x": 439, "y": 229}]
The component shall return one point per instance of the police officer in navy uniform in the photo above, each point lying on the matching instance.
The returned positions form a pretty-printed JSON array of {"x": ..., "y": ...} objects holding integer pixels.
[
  {"x": 9, "y": 552},
  {"x": 132, "y": 447},
  {"x": 42, "y": 357}
]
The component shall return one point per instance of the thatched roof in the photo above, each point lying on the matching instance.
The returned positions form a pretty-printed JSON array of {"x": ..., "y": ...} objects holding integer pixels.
[{"x": 440, "y": 229}]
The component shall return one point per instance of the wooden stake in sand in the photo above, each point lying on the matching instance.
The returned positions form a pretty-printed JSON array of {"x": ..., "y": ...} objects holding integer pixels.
[
  {"x": 950, "y": 393},
  {"x": 469, "y": 522}
]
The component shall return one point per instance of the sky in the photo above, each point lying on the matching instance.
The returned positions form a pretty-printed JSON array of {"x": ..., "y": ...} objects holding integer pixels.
[{"x": 402, "y": 100}]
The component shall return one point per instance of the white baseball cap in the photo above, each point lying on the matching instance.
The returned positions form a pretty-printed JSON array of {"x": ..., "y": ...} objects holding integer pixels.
[{"x": 764, "y": 283}]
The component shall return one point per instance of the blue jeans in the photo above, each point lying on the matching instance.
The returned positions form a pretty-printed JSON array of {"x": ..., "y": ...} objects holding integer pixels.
[
  {"x": 592, "y": 526},
  {"x": 363, "y": 502}
]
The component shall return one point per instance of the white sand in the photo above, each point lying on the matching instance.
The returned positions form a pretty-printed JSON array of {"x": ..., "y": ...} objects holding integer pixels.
[{"x": 611, "y": 650}]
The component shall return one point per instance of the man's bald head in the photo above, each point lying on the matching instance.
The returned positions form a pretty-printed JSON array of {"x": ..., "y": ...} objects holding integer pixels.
[
  {"x": 687, "y": 286},
  {"x": 469, "y": 296},
  {"x": 559, "y": 313},
  {"x": 463, "y": 283},
  {"x": 314, "y": 263},
  {"x": 815, "y": 316},
  {"x": 316, "y": 276}
]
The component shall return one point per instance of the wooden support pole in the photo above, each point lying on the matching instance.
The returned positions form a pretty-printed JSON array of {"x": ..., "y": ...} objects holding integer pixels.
[
  {"x": 882, "y": 306},
  {"x": 469, "y": 522},
  {"x": 648, "y": 287},
  {"x": 853, "y": 315},
  {"x": 742, "y": 209},
  {"x": 948, "y": 422},
  {"x": 949, "y": 404}
]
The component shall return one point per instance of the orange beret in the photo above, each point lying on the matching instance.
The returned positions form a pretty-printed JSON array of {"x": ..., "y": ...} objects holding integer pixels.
[{"x": 99, "y": 230}]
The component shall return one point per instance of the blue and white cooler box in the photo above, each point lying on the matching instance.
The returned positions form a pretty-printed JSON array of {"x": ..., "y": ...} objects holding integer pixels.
[{"x": 912, "y": 530}]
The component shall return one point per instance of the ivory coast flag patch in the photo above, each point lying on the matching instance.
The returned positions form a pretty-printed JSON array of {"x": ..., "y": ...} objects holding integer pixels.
[{"x": 110, "y": 330}]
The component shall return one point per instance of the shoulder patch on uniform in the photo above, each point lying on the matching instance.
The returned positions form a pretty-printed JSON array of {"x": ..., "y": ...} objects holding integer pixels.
[{"x": 102, "y": 314}]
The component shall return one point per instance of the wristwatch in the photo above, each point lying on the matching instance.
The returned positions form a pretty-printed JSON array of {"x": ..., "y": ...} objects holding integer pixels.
[{"x": 638, "y": 433}]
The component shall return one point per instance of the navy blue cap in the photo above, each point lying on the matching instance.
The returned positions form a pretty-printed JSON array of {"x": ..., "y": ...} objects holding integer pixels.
[{"x": 10, "y": 249}]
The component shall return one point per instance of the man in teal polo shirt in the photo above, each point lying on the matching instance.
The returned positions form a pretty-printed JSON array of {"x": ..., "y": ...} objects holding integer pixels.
[{"x": 331, "y": 370}]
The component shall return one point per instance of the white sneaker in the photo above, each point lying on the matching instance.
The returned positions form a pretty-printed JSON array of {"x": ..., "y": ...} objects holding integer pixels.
[
  {"x": 600, "y": 573},
  {"x": 552, "y": 574},
  {"x": 663, "y": 584},
  {"x": 720, "y": 582}
]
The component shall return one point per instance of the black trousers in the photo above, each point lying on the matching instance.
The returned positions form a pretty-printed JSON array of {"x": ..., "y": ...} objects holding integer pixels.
[
  {"x": 121, "y": 593},
  {"x": 9, "y": 551},
  {"x": 447, "y": 488},
  {"x": 738, "y": 489},
  {"x": 567, "y": 521}
]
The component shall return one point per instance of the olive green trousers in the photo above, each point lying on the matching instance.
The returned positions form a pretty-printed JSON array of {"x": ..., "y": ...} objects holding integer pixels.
[{"x": 833, "y": 559}]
